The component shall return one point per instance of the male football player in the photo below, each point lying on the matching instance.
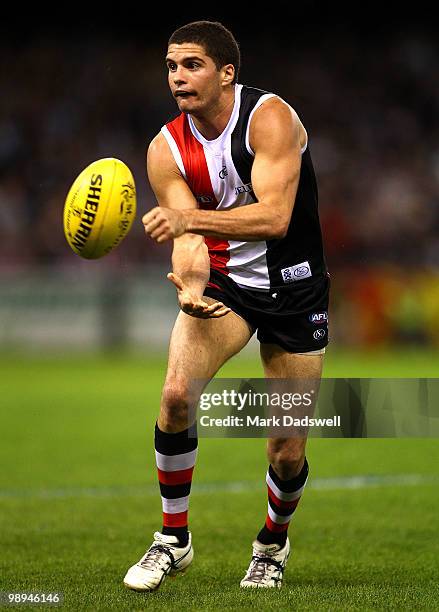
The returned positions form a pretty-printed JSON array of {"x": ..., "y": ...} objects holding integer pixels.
[{"x": 237, "y": 194}]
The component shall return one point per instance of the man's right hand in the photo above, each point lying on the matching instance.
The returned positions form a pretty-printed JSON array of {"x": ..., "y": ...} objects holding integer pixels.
[{"x": 195, "y": 306}]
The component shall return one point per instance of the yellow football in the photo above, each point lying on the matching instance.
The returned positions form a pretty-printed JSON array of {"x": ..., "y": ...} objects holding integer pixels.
[{"x": 100, "y": 208}]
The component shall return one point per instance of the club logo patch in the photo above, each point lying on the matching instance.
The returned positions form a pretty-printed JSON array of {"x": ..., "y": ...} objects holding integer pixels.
[
  {"x": 223, "y": 173},
  {"x": 319, "y": 334},
  {"x": 297, "y": 272},
  {"x": 318, "y": 318}
]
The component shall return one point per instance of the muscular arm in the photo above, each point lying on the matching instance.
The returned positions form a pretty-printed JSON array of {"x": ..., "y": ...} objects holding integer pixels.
[
  {"x": 190, "y": 259},
  {"x": 275, "y": 138}
]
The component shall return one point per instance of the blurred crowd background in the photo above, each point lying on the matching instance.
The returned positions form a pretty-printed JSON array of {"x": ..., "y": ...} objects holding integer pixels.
[{"x": 367, "y": 92}]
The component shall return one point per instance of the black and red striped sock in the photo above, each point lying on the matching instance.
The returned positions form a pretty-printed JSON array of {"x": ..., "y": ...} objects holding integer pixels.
[
  {"x": 175, "y": 456},
  {"x": 283, "y": 497}
]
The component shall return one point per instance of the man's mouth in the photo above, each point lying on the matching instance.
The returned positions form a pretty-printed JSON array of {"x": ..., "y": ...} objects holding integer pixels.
[{"x": 183, "y": 94}]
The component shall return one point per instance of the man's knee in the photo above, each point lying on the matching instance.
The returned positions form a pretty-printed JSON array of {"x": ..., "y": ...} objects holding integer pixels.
[
  {"x": 174, "y": 407},
  {"x": 287, "y": 458}
]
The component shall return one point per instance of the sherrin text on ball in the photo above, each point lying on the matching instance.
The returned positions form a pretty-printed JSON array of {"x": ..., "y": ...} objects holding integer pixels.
[{"x": 100, "y": 208}]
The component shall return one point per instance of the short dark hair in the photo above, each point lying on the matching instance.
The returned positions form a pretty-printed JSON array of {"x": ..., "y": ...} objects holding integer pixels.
[{"x": 218, "y": 42}]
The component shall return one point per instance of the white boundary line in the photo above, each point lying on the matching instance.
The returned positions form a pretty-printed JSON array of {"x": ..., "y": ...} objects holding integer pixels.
[{"x": 240, "y": 486}]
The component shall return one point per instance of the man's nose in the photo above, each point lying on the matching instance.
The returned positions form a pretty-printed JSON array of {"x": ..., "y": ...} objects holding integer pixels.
[{"x": 179, "y": 76}]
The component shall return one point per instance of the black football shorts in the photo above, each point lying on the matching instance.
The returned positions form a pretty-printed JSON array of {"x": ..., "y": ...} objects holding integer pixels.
[{"x": 295, "y": 317}]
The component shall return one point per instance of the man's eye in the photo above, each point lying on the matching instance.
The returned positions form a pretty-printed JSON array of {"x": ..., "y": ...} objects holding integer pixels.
[{"x": 172, "y": 67}]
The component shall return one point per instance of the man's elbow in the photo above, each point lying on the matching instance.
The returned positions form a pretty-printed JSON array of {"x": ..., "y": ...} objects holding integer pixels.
[{"x": 279, "y": 228}]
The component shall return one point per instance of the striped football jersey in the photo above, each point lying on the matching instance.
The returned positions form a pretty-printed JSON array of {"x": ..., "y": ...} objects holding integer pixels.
[{"x": 218, "y": 173}]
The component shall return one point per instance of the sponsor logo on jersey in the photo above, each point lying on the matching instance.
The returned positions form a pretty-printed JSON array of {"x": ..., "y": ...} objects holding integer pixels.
[
  {"x": 247, "y": 188},
  {"x": 319, "y": 334},
  {"x": 223, "y": 173},
  {"x": 318, "y": 318},
  {"x": 297, "y": 272}
]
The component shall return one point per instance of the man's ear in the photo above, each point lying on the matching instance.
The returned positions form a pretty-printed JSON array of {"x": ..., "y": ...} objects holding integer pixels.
[{"x": 228, "y": 74}]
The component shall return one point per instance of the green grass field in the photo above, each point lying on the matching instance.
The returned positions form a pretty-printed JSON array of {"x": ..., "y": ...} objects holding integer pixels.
[{"x": 79, "y": 499}]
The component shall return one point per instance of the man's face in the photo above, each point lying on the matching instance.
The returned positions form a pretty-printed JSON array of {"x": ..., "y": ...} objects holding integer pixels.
[{"x": 193, "y": 77}]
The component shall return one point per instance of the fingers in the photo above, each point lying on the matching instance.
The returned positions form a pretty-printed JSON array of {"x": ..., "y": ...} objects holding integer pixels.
[
  {"x": 150, "y": 214},
  {"x": 212, "y": 308},
  {"x": 205, "y": 311},
  {"x": 196, "y": 309},
  {"x": 176, "y": 280},
  {"x": 159, "y": 230},
  {"x": 221, "y": 312},
  {"x": 152, "y": 219},
  {"x": 157, "y": 225},
  {"x": 161, "y": 233}
]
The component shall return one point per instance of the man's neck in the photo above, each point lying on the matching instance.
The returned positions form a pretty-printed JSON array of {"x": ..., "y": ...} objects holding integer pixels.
[{"x": 213, "y": 123}]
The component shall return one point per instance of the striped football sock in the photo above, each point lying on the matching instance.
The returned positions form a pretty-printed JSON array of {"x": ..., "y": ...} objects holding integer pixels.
[
  {"x": 175, "y": 456},
  {"x": 283, "y": 497}
]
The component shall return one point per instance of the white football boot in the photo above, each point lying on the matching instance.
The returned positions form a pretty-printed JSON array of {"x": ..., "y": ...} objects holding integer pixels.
[
  {"x": 267, "y": 566},
  {"x": 163, "y": 557}
]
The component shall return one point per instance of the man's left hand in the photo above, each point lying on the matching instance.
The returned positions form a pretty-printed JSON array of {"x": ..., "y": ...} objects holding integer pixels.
[{"x": 164, "y": 223}]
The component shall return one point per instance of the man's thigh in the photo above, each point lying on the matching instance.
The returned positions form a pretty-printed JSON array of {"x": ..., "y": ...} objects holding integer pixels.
[
  {"x": 280, "y": 364},
  {"x": 199, "y": 347}
]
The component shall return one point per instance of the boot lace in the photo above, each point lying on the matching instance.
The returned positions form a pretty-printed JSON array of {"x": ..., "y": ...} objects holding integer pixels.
[
  {"x": 259, "y": 567},
  {"x": 154, "y": 557}
]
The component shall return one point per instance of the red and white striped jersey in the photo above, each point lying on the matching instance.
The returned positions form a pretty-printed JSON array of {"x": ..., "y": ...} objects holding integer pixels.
[{"x": 218, "y": 173}]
